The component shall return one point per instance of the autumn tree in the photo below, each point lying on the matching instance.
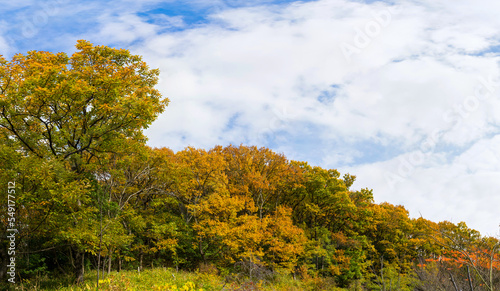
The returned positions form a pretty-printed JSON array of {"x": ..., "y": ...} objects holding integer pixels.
[
  {"x": 198, "y": 175},
  {"x": 334, "y": 219},
  {"x": 259, "y": 174},
  {"x": 395, "y": 246},
  {"x": 74, "y": 111},
  {"x": 466, "y": 259}
]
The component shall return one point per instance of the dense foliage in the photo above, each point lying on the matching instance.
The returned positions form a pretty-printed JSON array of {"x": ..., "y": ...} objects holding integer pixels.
[{"x": 91, "y": 195}]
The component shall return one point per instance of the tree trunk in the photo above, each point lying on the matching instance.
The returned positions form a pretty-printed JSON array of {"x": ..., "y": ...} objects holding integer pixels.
[
  {"x": 470, "y": 279},
  {"x": 140, "y": 261},
  {"x": 104, "y": 263},
  {"x": 382, "y": 272},
  {"x": 453, "y": 281},
  {"x": 109, "y": 263},
  {"x": 80, "y": 267},
  {"x": 200, "y": 246}
]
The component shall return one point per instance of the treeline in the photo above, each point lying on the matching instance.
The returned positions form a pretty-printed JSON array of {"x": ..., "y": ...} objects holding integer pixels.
[
  {"x": 233, "y": 206},
  {"x": 89, "y": 194}
]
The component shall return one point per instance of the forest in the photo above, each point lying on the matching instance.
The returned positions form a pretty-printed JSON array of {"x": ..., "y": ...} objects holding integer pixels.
[{"x": 82, "y": 191}]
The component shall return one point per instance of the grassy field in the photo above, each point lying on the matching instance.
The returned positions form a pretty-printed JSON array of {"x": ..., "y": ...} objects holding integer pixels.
[{"x": 168, "y": 279}]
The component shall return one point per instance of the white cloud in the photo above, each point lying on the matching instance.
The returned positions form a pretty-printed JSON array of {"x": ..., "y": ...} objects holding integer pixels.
[
  {"x": 5, "y": 47},
  {"x": 124, "y": 28},
  {"x": 403, "y": 86},
  {"x": 341, "y": 84},
  {"x": 464, "y": 188}
]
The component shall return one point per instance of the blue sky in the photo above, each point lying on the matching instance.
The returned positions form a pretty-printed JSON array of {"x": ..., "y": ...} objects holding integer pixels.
[{"x": 404, "y": 96}]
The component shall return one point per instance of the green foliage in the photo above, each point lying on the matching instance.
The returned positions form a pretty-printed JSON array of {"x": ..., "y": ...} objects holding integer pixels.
[
  {"x": 36, "y": 265},
  {"x": 92, "y": 197}
]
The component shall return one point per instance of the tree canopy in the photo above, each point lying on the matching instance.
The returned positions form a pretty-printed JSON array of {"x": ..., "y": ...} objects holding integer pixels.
[{"x": 92, "y": 195}]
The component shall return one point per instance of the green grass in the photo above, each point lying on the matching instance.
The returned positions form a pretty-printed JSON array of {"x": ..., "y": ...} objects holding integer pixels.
[
  {"x": 149, "y": 279},
  {"x": 169, "y": 279}
]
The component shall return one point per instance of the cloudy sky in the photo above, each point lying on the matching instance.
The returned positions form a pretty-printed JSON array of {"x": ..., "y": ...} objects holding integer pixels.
[{"x": 405, "y": 96}]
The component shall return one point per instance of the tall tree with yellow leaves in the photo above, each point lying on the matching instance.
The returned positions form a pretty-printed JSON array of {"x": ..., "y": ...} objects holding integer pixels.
[{"x": 71, "y": 112}]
